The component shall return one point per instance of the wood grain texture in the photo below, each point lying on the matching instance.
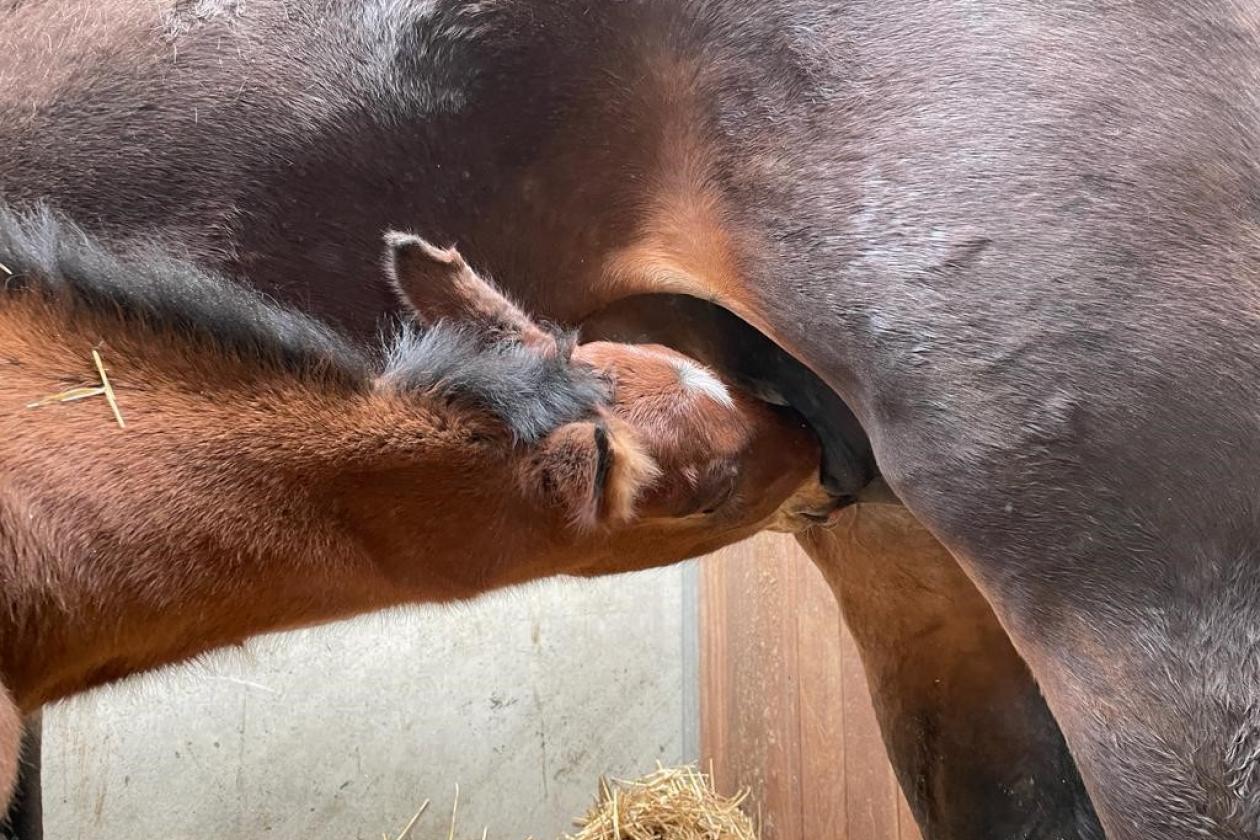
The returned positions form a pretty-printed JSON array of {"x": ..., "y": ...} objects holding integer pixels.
[
  {"x": 749, "y": 707},
  {"x": 784, "y": 706},
  {"x": 822, "y": 689}
]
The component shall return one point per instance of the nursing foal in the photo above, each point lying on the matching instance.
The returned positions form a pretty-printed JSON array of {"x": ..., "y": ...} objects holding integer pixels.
[{"x": 270, "y": 475}]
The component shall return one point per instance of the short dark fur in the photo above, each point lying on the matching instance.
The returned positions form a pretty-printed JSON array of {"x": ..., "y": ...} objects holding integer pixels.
[{"x": 532, "y": 394}]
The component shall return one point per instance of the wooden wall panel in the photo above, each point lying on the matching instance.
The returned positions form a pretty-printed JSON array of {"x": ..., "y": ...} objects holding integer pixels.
[
  {"x": 822, "y": 684},
  {"x": 749, "y": 694},
  {"x": 784, "y": 706}
]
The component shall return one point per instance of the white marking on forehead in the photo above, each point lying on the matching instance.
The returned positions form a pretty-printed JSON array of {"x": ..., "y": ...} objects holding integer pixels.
[{"x": 695, "y": 378}]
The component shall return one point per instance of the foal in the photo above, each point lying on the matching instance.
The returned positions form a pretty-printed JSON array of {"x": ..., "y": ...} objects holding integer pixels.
[{"x": 271, "y": 475}]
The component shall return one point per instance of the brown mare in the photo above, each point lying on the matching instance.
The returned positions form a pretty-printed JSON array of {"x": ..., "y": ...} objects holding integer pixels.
[
  {"x": 271, "y": 475},
  {"x": 1019, "y": 240}
]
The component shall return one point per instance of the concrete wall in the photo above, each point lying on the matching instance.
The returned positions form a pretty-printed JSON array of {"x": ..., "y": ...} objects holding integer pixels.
[{"x": 523, "y": 698}]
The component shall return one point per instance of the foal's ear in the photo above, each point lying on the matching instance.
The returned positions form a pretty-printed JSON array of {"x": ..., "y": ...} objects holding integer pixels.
[{"x": 437, "y": 285}]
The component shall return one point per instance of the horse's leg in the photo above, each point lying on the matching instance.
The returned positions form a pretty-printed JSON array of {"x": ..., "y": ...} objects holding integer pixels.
[
  {"x": 10, "y": 746},
  {"x": 1158, "y": 692},
  {"x": 971, "y": 739},
  {"x": 26, "y": 811},
  {"x": 1134, "y": 599}
]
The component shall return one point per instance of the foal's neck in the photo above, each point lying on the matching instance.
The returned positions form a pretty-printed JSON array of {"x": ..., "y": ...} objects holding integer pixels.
[{"x": 234, "y": 503}]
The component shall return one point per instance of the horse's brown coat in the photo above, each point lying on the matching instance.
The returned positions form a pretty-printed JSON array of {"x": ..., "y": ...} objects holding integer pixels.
[{"x": 248, "y": 494}]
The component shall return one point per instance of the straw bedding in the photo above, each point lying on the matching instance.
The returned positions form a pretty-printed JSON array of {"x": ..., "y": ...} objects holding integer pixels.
[
  {"x": 673, "y": 803},
  {"x": 670, "y": 804}
]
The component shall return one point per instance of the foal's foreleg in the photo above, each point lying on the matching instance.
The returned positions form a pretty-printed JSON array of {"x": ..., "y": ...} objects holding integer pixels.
[
  {"x": 975, "y": 748},
  {"x": 26, "y": 808},
  {"x": 10, "y": 746}
]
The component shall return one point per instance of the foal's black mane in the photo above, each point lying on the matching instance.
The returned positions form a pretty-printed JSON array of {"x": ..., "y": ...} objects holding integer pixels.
[{"x": 45, "y": 253}]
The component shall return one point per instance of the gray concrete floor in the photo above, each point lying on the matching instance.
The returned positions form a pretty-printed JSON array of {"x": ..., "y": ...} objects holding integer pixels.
[{"x": 522, "y": 698}]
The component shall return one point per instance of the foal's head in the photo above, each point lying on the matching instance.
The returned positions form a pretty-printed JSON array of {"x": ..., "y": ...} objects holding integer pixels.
[{"x": 675, "y": 462}]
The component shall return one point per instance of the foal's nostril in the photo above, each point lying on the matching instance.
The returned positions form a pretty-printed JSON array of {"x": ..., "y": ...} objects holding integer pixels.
[
  {"x": 716, "y": 488},
  {"x": 714, "y": 505}
]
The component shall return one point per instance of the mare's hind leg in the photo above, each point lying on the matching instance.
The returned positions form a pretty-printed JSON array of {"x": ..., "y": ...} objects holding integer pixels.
[
  {"x": 974, "y": 745},
  {"x": 1158, "y": 692},
  {"x": 26, "y": 811},
  {"x": 1134, "y": 600}
]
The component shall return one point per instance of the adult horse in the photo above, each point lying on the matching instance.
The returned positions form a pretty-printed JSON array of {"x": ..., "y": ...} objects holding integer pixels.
[{"x": 1017, "y": 239}]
